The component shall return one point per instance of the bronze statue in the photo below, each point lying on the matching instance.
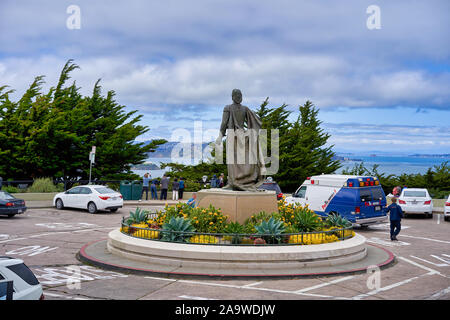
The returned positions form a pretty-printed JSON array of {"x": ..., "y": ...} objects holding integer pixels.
[{"x": 245, "y": 160}]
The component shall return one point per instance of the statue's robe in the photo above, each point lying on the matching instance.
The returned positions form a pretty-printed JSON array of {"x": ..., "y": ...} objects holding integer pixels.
[{"x": 245, "y": 161}]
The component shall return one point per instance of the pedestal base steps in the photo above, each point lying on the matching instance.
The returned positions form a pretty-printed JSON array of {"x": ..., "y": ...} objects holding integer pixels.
[
  {"x": 141, "y": 256},
  {"x": 239, "y": 205}
]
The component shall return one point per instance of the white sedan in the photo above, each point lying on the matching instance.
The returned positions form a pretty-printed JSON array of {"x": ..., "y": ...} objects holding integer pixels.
[
  {"x": 447, "y": 209},
  {"x": 90, "y": 197},
  {"x": 416, "y": 201},
  {"x": 24, "y": 286}
]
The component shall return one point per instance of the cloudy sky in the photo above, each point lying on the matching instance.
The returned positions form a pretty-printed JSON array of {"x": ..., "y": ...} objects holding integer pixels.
[{"x": 177, "y": 61}]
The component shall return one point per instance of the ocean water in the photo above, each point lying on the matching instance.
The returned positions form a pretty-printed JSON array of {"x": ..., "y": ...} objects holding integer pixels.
[
  {"x": 396, "y": 165},
  {"x": 387, "y": 165}
]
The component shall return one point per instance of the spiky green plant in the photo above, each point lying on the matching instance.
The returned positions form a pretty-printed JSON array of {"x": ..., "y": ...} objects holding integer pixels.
[
  {"x": 307, "y": 221},
  {"x": 177, "y": 229},
  {"x": 336, "y": 220},
  {"x": 270, "y": 230},
  {"x": 138, "y": 216},
  {"x": 235, "y": 228}
]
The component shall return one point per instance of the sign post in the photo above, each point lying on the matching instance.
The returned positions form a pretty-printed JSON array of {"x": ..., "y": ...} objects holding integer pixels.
[{"x": 92, "y": 160}]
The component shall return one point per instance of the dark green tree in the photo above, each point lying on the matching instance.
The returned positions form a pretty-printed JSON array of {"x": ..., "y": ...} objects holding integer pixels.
[
  {"x": 302, "y": 150},
  {"x": 51, "y": 135}
]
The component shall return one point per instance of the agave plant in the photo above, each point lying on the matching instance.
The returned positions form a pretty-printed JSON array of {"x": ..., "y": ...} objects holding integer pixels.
[
  {"x": 235, "y": 228},
  {"x": 270, "y": 230},
  {"x": 138, "y": 216},
  {"x": 177, "y": 229},
  {"x": 307, "y": 221},
  {"x": 336, "y": 220}
]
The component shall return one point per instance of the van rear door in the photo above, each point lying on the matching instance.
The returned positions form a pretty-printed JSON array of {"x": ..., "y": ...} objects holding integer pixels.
[{"x": 372, "y": 201}]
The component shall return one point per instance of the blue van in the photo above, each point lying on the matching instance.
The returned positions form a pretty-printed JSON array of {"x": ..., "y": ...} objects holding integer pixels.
[{"x": 359, "y": 199}]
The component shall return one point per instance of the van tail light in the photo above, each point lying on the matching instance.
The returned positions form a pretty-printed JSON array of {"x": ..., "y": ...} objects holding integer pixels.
[
  {"x": 10, "y": 204},
  {"x": 103, "y": 198},
  {"x": 447, "y": 204},
  {"x": 357, "y": 210},
  {"x": 42, "y": 297},
  {"x": 427, "y": 202},
  {"x": 121, "y": 197},
  {"x": 312, "y": 181},
  {"x": 402, "y": 201}
]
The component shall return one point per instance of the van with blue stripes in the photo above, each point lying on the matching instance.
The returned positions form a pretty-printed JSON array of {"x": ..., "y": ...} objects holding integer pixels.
[{"x": 359, "y": 199}]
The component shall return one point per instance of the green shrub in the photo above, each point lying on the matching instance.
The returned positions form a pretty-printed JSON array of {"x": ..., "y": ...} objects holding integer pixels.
[
  {"x": 10, "y": 189},
  {"x": 177, "y": 230},
  {"x": 42, "y": 185}
]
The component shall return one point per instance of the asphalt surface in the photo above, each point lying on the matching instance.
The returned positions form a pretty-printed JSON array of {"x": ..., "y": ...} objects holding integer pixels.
[{"x": 49, "y": 239}]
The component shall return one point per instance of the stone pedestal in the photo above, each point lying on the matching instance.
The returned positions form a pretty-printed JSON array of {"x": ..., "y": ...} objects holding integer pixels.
[{"x": 239, "y": 205}]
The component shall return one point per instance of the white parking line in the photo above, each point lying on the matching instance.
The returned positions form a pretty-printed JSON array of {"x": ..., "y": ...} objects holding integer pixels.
[
  {"x": 430, "y": 271},
  {"x": 195, "y": 298},
  {"x": 247, "y": 287},
  {"x": 62, "y": 296},
  {"x": 439, "y": 294},
  {"x": 394, "y": 285},
  {"x": 324, "y": 284},
  {"x": 415, "y": 237}
]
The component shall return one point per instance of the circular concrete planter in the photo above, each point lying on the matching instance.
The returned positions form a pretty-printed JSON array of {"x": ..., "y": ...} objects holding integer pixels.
[{"x": 207, "y": 257}]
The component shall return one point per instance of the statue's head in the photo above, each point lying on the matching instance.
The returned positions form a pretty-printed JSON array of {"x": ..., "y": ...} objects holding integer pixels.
[{"x": 237, "y": 96}]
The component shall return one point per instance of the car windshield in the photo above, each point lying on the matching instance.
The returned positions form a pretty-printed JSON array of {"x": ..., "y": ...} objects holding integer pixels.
[
  {"x": 104, "y": 190},
  {"x": 417, "y": 194},
  {"x": 5, "y": 196}
]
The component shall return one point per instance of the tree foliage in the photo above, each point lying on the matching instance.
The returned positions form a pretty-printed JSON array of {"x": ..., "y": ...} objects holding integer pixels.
[{"x": 51, "y": 134}]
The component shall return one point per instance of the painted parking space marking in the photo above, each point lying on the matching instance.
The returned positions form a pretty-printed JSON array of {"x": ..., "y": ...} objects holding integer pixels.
[
  {"x": 418, "y": 238},
  {"x": 46, "y": 293},
  {"x": 387, "y": 243},
  {"x": 65, "y": 275},
  {"x": 444, "y": 259},
  {"x": 62, "y": 226},
  {"x": 195, "y": 298},
  {"x": 324, "y": 284},
  {"x": 252, "y": 286},
  {"x": 55, "y": 233},
  {"x": 30, "y": 251},
  {"x": 386, "y": 226},
  {"x": 439, "y": 294}
]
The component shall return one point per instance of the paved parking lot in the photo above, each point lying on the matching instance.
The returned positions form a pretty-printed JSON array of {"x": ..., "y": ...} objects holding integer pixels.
[{"x": 48, "y": 241}]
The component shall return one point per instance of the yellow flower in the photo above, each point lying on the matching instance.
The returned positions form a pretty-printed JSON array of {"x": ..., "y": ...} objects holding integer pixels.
[{"x": 211, "y": 223}]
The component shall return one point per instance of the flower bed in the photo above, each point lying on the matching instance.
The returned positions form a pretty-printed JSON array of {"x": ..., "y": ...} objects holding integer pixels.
[{"x": 291, "y": 225}]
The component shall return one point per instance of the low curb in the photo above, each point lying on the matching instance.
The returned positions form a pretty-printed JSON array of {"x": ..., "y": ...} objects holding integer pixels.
[{"x": 95, "y": 254}]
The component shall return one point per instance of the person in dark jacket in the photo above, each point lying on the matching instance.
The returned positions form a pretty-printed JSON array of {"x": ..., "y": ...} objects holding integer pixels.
[
  {"x": 395, "y": 216},
  {"x": 164, "y": 187},
  {"x": 1, "y": 183}
]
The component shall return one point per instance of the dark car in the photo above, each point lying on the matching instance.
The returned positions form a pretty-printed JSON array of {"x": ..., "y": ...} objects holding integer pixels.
[
  {"x": 10, "y": 205},
  {"x": 272, "y": 186}
]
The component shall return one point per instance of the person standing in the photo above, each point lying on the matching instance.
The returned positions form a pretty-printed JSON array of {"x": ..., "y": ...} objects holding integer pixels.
[
  {"x": 153, "y": 190},
  {"x": 221, "y": 181},
  {"x": 181, "y": 189},
  {"x": 164, "y": 187},
  {"x": 214, "y": 182},
  {"x": 145, "y": 182},
  {"x": 175, "y": 188},
  {"x": 395, "y": 217}
]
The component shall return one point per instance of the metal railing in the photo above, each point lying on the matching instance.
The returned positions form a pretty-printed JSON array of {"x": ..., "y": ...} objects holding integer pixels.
[{"x": 240, "y": 239}]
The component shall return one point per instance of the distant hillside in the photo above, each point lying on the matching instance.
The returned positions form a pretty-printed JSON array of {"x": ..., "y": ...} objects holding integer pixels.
[{"x": 165, "y": 150}]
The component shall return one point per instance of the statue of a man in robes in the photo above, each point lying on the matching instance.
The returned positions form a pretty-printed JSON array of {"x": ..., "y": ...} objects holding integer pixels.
[{"x": 245, "y": 161}]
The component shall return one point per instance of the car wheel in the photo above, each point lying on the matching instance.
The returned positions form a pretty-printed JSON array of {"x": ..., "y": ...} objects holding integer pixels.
[
  {"x": 92, "y": 208},
  {"x": 446, "y": 218},
  {"x": 114, "y": 210},
  {"x": 11, "y": 215},
  {"x": 430, "y": 215},
  {"x": 59, "y": 204}
]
